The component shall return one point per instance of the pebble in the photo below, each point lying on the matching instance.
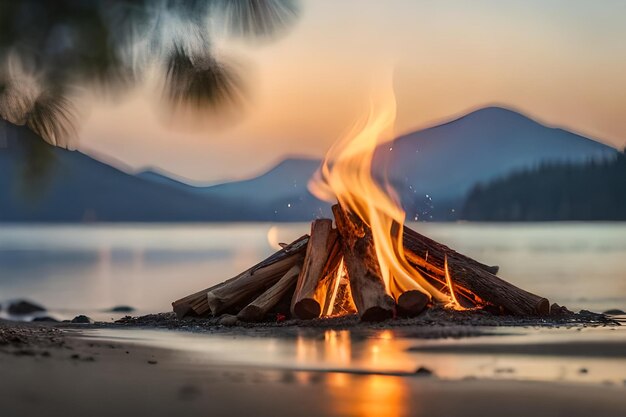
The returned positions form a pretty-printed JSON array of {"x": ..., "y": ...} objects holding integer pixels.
[
  {"x": 82, "y": 319},
  {"x": 228, "y": 320},
  {"x": 152, "y": 362}
]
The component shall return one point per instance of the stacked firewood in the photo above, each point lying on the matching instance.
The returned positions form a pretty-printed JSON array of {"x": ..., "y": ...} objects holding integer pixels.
[{"x": 334, "y": 271}]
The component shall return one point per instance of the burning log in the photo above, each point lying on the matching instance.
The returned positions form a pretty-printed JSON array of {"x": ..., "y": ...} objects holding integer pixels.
[
  {"x": 337, "y": 272},
  {"x": 421, "y": 247},
  {"x": 310, "y": 294},
  {"x": 366, "y": 284},
  {"x": 471, "y": 276},
  {"x": 332, "y": 275},
  {"x": 256, "y": 310}
]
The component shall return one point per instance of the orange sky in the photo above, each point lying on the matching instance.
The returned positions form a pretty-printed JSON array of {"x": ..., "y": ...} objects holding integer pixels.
[{"x": 562, "y": 62}]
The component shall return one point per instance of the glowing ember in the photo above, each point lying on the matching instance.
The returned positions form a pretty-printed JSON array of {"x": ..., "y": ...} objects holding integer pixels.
[{"x": 346, "y": 175}]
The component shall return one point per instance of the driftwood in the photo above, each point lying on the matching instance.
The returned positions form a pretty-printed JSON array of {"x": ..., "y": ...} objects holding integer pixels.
[
  {"x": 421, "y": 247},
  {"x": 366, "y": 284},
  {"x": 306, "y": 304},
  {"x": 411, "y": 303},
  {"x": 331, "y": 281},
  {"x": 196, "y": 304},
  {"x": 468, "y": 275},
  {"x": 336, "y": 272},
  {"x": 256, "y": 310},
  {"x": 249, "y": 284}
]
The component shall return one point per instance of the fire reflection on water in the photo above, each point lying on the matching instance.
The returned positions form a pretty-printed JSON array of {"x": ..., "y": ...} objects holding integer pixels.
[
  {"x": 367, "y": 396},
  {"x": 357, "y": 395}
]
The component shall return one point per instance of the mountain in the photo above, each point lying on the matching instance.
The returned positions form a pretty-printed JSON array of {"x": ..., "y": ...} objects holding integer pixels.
[
  {"x": 436, "y": 168},
  {"x": 278, "y": 194},
  {"x": 156, "y": 176},
  {"x": 39, "y": 182},
  {"x": 433, "y": 170}
]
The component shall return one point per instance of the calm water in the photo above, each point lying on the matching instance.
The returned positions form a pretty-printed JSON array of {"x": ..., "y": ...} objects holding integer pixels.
[
  {"x": 88, "y": 269},
  {"x": 379, "y": 354}
]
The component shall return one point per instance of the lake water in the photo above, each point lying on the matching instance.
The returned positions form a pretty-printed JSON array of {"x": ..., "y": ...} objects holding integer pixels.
[{"x": 89, "y": 269}]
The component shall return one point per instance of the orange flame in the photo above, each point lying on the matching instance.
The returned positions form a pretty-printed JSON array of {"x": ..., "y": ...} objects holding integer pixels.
[
  {"x": 346, "y": 174},
  {"x": 454, "y": 302},
  {"x": 335, "y": 289}
]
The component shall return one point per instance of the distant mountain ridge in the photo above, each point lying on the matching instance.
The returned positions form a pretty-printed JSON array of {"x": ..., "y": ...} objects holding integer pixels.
[
  {"x": 433, "y": 169},
  {"x": 41, "y": 183}
]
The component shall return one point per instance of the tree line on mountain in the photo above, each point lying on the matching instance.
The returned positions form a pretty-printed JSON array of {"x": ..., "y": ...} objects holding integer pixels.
[{"x": 595, "y": 190}]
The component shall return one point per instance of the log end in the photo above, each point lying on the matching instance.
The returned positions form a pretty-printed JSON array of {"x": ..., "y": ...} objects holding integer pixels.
[
  {"x": 543, "y": 307},
  {"x": 251, "y": 314},
  {"x": 181, "y": 310},
  {"x": 307, "y": 309},
  {"x": 411, "y": 303}
]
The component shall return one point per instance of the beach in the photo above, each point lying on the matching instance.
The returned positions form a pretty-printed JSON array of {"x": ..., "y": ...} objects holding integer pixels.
[{"x": 85, "y": 370}]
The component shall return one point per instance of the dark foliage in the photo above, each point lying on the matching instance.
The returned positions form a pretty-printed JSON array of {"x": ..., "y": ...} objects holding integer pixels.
[
  {"x": 201, "y": 82},
  {"x": 49, "y": 47},
  {"x": 554, "y": 191}
]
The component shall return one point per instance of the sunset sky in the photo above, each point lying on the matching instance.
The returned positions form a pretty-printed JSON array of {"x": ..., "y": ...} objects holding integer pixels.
[{"x": 561, "y": 62}]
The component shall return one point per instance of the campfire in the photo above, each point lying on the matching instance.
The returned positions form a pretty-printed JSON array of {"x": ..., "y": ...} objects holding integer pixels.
[{"x": 369, "y": 263}]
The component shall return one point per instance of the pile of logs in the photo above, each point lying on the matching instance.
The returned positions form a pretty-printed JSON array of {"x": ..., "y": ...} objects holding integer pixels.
[{"x": 334, "y": 271}]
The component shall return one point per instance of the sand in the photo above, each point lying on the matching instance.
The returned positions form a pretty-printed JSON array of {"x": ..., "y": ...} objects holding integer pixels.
[{"x": 52, "y": 371}]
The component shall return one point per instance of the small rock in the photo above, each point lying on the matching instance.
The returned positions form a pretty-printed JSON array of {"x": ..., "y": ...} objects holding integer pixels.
[
  {"x": 45, "y": 319},
  {"x": 23, "y": 307},
  {"x": 583, "y": 371},
  {"x": 121, "y": 309},
  {"x": 228, "y": 320},
  {"x": 75, "y": 356},
  {"x": 82, "y": 319},
  {"x": 615, "y": 312},
  {"x": 422, "y": 371},
  {"x": 152, "y": 362}
]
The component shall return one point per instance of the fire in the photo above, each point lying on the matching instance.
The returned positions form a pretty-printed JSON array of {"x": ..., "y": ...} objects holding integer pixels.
[
  {"x": 346, "y": 175},
  {"x": 341, "y": 271}
]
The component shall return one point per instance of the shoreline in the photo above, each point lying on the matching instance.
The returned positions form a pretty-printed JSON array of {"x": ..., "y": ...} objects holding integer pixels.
[{"x": 64, "y": 370}]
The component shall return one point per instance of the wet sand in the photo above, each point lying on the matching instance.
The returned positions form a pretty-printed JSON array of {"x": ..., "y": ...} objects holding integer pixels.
[{"x": 47, "y": 371}]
